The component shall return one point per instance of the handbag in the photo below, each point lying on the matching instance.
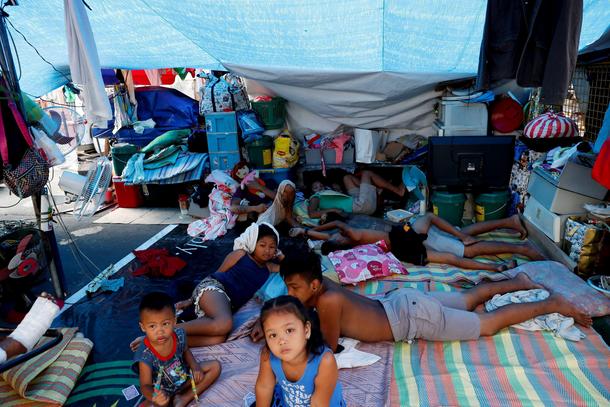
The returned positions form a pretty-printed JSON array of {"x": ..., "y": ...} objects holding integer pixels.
[{"x": 32, "y": 173}]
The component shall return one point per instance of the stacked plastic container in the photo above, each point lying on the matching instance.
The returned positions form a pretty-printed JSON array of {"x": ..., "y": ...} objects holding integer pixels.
[
  {"x": 458, "y": 117},
  {"x": 223, "y": 145}
]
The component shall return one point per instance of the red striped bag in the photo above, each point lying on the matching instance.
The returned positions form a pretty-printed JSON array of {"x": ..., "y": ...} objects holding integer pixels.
[{"x": 551, "y": 125}]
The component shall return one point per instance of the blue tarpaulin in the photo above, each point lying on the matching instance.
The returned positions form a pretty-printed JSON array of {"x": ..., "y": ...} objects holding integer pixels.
[{"x": 406, "y": 44}]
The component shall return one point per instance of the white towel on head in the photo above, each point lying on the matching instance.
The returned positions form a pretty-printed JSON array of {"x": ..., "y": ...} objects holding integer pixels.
[
  {"x": 247, "y": 240},
  {"x": 276, "y": 213}
]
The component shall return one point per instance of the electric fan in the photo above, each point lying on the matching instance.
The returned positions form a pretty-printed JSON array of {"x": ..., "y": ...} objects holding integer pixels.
[
  {"x": 70, "y": 129},
  {"x": 87, "y": 192}
]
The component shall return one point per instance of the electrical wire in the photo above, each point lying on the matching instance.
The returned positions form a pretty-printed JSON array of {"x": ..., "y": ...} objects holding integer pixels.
[
  {"x": 36, "y": 50},
  {"x": 13, "y": 205}
]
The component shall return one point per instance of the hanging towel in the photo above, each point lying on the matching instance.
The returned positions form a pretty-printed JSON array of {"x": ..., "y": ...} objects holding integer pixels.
[
  {"x": 85, "y": 64},
  {"x": 560, "y": 325},
  {"x": 276, "y": 213},
  {"x": 247, "y": 240}
]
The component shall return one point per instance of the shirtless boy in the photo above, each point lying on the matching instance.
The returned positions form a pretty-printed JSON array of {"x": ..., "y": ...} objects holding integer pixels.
[
  {"x": 405, "y": 314},
  {"x": 430, "y": 239}
]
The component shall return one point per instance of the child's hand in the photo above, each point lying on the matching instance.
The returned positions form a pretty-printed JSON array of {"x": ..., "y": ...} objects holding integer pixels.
[
  {"x": 198, "y": 374},
  {"x": 136, "y": 343},
  {"x": 160, "y": 398},
  {"x": 257, "y": 332}
]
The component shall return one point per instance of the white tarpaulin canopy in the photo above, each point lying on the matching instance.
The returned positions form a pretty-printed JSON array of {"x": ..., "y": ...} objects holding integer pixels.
[{"x": 360, "y": 62}]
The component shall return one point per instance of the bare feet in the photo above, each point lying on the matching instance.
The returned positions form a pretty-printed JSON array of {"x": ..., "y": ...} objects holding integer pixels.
[
  {"x": 531, "y": 251},
  {"x": 468, "y": 240},
  {"x": 524, "y": 282},
  {"x": 519, "y": 226},
  {"x": 565, "y": 307},
  {"x": 511, "y": 264}
]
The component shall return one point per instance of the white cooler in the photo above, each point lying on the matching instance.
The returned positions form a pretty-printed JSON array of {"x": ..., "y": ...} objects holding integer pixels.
[{"x": 548, "y": 222}]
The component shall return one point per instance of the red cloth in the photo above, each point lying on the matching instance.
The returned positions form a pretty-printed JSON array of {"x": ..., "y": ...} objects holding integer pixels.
[
  {"x": 157, "y": 262},
  {"x": 601, "y": 169}
]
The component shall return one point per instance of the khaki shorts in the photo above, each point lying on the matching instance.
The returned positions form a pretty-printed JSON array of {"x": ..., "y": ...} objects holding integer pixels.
[
  {"x": 365, "y": 199},
  {"x": 434, "y": 316}
]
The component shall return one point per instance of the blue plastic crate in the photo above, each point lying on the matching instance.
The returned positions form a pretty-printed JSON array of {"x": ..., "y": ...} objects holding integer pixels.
[
  {"x": 221, "y": 142},
  {"x": 224, "y": 160},
  {"x": 273, "y": 176},
  {"x": 221, "y": 122}
]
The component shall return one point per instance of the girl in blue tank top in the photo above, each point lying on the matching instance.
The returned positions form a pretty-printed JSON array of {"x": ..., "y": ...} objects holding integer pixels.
[{"x": 296, "y": 368}]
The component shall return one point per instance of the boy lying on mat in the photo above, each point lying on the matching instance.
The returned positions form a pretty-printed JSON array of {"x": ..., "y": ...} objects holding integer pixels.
[
  {"x": 430, "y": 239},
  {"x": 405, "y": 314}
]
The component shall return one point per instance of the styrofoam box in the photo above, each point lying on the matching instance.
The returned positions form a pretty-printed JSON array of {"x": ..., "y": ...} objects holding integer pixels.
[
  {"x": 221, "y": 142},
  {"x": 312, "y": 156},
  {"x": 444, "y": 131},
  {"x": 576, "y": 177},
  {"x": 555, "y": 199},
  {"x": 221, "y": 122},
  {"x": 454, "y": 113},
  {"x": 224, "y": 160},
  {"x": 551, "y": 224}
]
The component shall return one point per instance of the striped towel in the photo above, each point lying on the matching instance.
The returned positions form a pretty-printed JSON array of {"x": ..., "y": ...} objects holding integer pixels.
[{"x": 48, "y": 378}]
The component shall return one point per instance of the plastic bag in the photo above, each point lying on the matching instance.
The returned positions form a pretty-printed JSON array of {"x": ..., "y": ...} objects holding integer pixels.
[
  {"x": 52, "y": 153},
  {"x": 285, "y": 151}
]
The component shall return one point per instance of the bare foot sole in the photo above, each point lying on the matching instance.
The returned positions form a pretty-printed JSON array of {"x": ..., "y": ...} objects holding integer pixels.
[
  {"x": 565, "y": 307},
  {"x": 519, "y": 226},
  {"x": 524, "y": 282},
  {"x": 507, "y": 266}
]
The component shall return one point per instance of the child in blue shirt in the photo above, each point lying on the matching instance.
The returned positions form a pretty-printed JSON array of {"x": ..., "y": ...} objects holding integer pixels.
[
  {"x": 296, "y": 368},
  {"x": 163, "y": 360}
]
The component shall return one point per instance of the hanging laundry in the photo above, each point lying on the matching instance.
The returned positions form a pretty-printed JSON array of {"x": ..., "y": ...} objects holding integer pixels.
[{"x": 157, "y": 263}]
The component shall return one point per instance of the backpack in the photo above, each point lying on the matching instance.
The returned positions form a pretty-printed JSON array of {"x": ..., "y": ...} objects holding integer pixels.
[{"x": 224, "y": 94}]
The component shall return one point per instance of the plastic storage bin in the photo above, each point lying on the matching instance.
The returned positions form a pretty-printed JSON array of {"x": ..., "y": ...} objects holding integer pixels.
[
  {"x": 221, "y": 122},
  {"x": 274, "y": 176},
  {"x": 222, "y": 142},
  {"x": 554, "y": 198},
  {"x": 224, "y": 160},
  {"x": 457, "y": 114},
  {"x": 127, "y": 196},
  {"x": 121, "y": 153},
  {"x": 449, "y": 206},
  {"x": 260, "y": 152},
  {"x": 271, "y": 113}
]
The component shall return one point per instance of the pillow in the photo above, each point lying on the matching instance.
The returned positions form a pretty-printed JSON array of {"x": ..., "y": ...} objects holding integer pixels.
[
  {"x": 273, "y": 287},
  {"x": 559, "y": 278},
  {"x": 365, "y": 262}
]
